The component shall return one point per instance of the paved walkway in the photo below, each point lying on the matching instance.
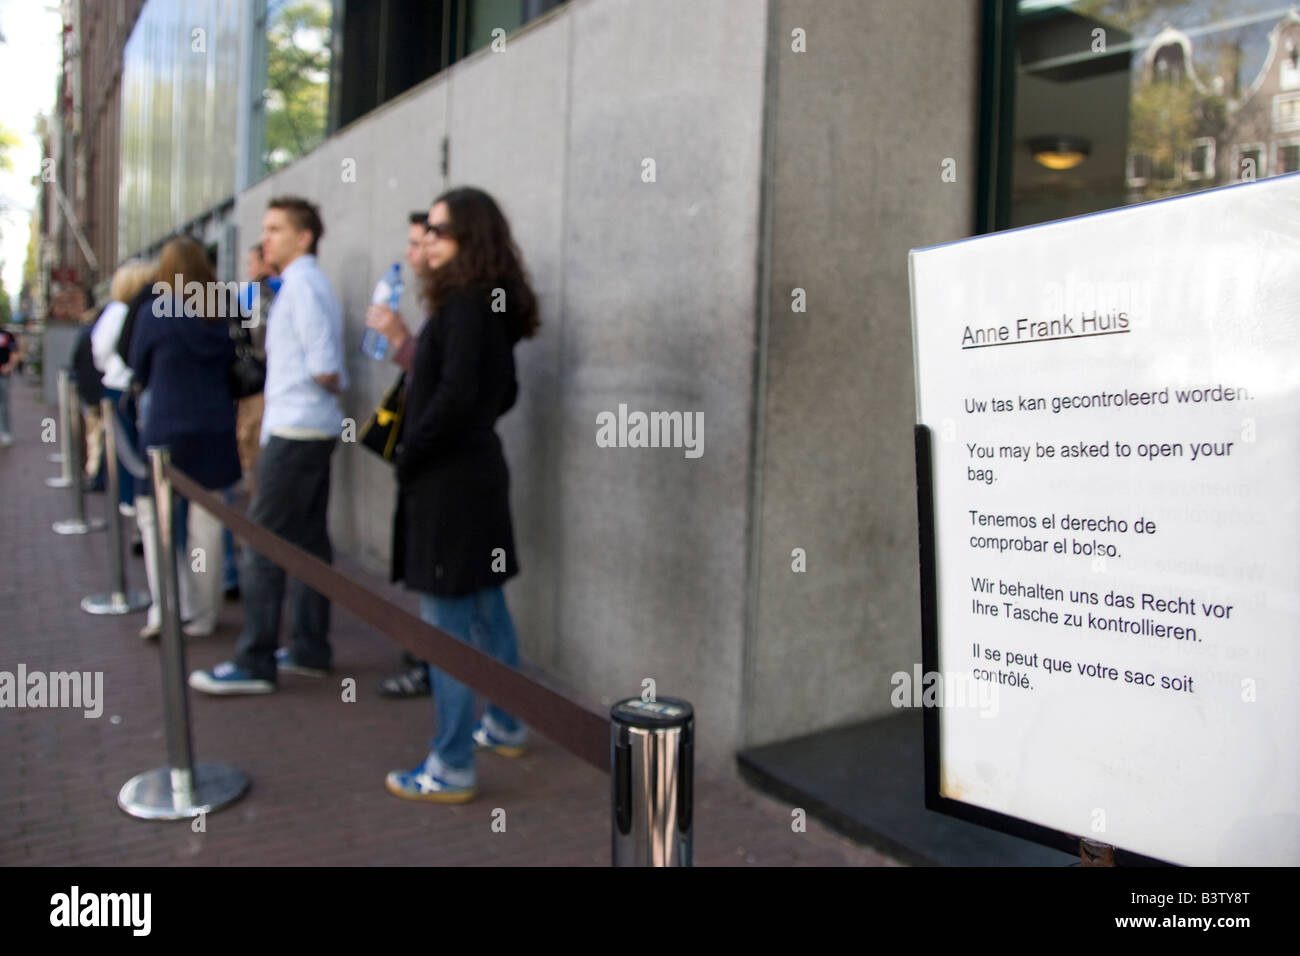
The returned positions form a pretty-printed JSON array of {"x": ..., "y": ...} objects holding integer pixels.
[{"x": 317, "y": 763}]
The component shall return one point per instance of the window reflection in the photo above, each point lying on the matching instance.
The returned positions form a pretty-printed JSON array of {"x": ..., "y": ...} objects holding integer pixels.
[
  {"x": 298, "y": 34},
  {"x": 1167, "y": 96}
]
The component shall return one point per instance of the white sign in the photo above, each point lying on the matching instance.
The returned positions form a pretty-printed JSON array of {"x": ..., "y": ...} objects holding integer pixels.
[{"x": 1115, "y": 411}]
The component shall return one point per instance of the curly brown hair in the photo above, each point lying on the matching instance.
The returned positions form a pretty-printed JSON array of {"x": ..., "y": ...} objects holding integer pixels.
[{"x": 486, "y": 258}]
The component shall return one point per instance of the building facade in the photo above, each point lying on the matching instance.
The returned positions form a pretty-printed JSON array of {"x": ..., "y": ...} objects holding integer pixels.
[{"x": 715, "y": 201}]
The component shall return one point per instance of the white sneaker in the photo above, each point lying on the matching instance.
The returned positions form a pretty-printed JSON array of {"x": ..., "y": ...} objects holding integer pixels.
[
  {"x": 152, "y": 626},
  {"x": 226, "y": 678}
]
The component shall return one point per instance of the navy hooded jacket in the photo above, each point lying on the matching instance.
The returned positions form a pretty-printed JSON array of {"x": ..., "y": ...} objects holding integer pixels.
[{"x": 184, "y": 362}]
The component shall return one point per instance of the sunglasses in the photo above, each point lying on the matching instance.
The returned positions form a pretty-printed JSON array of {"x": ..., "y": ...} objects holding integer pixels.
[{"x": 439, "y": 230}]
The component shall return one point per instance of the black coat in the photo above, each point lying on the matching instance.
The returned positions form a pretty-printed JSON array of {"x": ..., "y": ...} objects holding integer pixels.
[
  {"x": 453, "y": 510},
  {"x": 90, "y": 381}
]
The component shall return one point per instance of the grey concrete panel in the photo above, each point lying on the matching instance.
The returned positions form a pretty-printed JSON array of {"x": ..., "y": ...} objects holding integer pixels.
[
  {"x": 659, "y": 293},
  {"x": 864, "y": 119},
  {"x": 507, "y": 126}
]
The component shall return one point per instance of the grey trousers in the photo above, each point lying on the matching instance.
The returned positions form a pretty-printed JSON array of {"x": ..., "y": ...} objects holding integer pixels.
[{"x": 293, "y": 491}]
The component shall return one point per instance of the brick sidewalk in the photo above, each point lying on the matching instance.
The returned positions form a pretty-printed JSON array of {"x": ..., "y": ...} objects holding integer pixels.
[{"x": 317, "y": 764}]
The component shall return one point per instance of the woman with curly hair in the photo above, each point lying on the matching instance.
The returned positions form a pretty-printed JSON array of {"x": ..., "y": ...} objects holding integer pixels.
[{"x": 453, "y": 540}]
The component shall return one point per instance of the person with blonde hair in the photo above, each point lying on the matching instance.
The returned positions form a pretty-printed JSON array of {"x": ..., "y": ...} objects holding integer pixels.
[
  {"x": 182, "y": 355},
  {"x": 130, "y": 277}
]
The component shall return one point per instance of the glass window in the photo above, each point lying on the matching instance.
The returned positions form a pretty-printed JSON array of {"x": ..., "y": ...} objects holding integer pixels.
[
  {"x": 180, "y": 79},
  {"x": 477, "y": 20},
  {"x": 385, "y": 47},
  {"x": 388, "y": 47},
  {"x": 1248, "y": 163},
  {"x": 296, "y": 98},
  {"x": 1286, "y": 113},
  {"x": 1200, "y": 163},
  {"x": 1288, "y": 158},
  {"x": 1111, "y": 102}
]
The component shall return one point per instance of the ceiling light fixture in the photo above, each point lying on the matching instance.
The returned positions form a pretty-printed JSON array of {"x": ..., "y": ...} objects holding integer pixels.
[{"x": 1059, "y": 152}]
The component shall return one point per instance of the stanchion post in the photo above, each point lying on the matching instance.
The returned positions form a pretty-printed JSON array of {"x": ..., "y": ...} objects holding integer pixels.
[
  {"x": 119, "y": 600},
  {"x": 64, "y": 478},
  {"x": 182, "y": 789},
  {"x": 176, "y": 712},
  {"x": 652, "y": 782},
  {"x": 73, "y": 453}
]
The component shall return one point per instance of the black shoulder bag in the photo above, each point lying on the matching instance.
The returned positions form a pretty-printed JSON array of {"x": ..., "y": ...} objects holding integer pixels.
[
  {"x": 247, "y": 374},
  {"x": 382, "y": 432}
]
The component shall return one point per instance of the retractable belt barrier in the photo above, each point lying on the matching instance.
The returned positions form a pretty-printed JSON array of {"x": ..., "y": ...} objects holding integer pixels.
[
  {"x": 583, "y": 732},
  {"x": 646, "y": 746}
]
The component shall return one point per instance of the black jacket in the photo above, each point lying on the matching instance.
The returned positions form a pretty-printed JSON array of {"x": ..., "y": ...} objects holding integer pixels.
[
  {"x": 142, "y": 299},
  {"x": 90, "y": 381},
  {"x": 452, "y": 534}
]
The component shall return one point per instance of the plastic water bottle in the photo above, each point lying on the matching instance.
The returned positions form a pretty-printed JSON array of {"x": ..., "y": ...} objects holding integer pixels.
[{"x": 388, "y": 291}]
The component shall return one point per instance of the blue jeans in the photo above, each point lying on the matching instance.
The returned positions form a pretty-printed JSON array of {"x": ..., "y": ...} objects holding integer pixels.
[
  {"x": 230, "y": 565},
  {"x": 482, "y": 620}
]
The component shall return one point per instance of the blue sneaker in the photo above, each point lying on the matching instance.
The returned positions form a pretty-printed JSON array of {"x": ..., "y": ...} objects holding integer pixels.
[
  {"x": 488, "y": 736},
  {"x": 431, "y": 783},
  {"x": 285, "y": 663},
  {"x": 226, "y": 678}
]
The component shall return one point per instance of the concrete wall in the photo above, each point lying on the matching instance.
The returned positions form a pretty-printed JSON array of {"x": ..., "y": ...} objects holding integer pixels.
[
  {"x": 633, "y": 558},
  {"x": 863, "y": 121}
]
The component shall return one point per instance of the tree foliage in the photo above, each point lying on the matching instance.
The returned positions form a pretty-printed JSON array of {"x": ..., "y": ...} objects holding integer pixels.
[
  {"x": 8, "y": 141},
  {"x": 297, "y": 80}
]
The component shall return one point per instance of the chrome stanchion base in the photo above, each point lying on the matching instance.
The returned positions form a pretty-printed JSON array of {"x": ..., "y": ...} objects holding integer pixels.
[
  {"x": 116, "y": 603},
  {"x": 73, "y": 526},
  {"x": 165, "y": 794},
  {"x": 58, "y": 481}
]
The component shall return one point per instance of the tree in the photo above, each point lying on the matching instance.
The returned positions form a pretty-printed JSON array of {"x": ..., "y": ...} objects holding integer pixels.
[
  {"x": 6, "y": 312},
  {"x": 8, "y": 142},
  {"x": 33, "y": 240},
  {"x": 1147, "y": 15},
  {"x": 297, "y": 76}
]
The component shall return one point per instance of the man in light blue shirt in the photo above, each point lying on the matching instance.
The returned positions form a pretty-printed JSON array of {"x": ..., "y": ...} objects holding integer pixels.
[{"x": 301, "y": 424}]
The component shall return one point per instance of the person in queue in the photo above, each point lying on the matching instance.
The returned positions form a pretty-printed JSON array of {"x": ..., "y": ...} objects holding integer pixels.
[
  {"x": 453, "y": 540},
  {"x": 413, "y": 679},
  {"x": 181, "y": 355},
  {"x": 301, "y": 425}
]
